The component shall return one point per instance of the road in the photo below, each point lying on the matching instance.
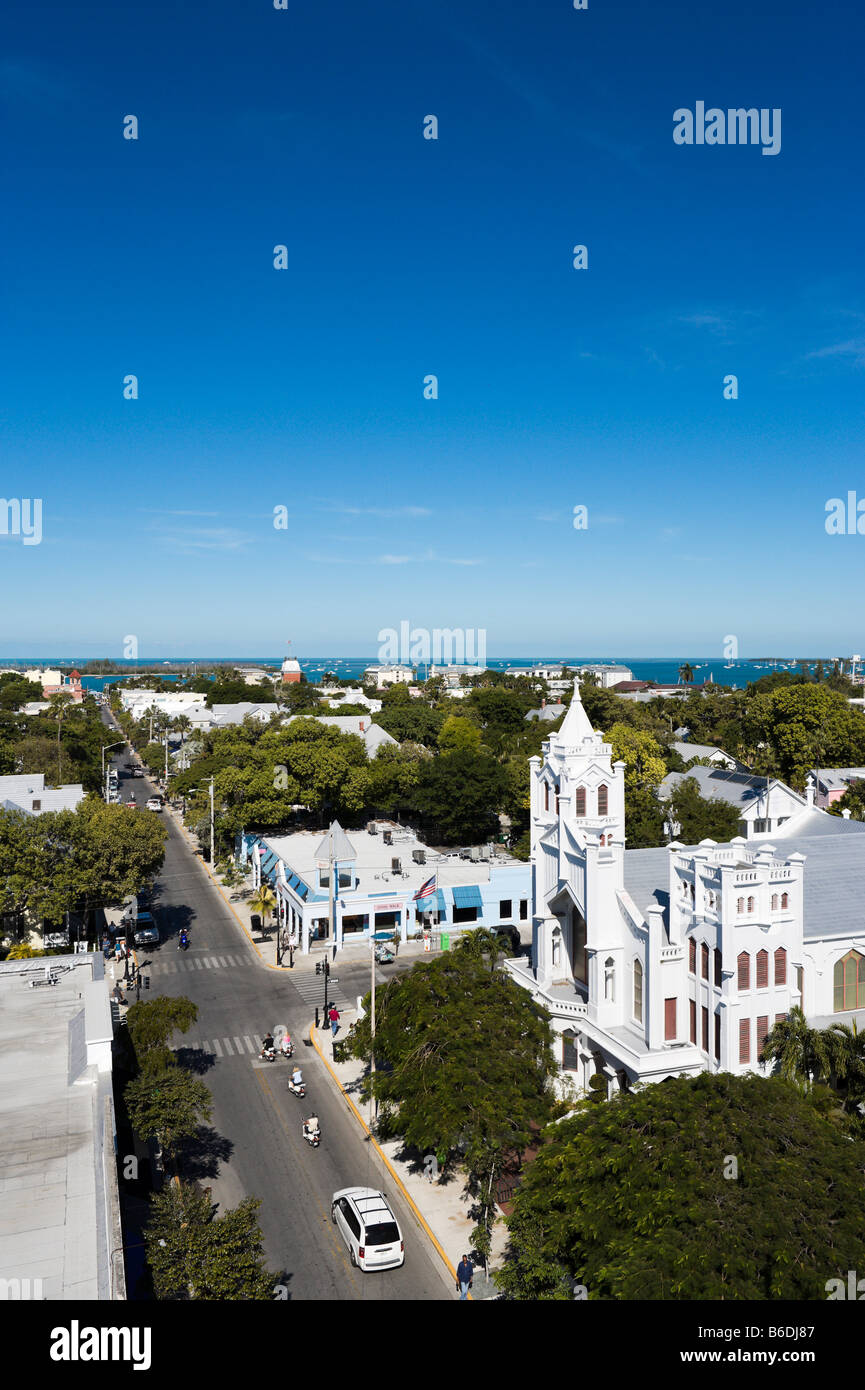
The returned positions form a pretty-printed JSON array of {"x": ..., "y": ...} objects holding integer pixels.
[{"x": 258, "y": 1149}]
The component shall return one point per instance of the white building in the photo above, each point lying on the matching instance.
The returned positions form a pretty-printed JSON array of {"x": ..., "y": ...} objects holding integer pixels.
[
  {"x": 378, "y": 872},
  {"x": 386, "y": 676},
  {"x": 26, "y": 791},
  {"x": 373, "y": 735},
  {"x": 717, "y": 756},
  {"x": 659, "y": 962},
  {"x": 608, "y": 676},
  {"x": 764, "y": 805}
]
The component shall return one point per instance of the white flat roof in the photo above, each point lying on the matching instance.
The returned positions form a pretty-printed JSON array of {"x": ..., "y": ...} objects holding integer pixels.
[{"x": 373, "y": 862}]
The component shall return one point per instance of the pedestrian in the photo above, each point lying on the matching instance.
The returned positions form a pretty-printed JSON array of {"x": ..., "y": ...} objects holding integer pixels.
[
  {"x": 106, "y": 945},
  {"x": 333, "y": 1015},
  {"x": 465, "y": 1275},
  {"x": 118, "y": 952}
]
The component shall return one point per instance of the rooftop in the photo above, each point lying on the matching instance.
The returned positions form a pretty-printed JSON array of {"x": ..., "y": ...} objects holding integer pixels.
[
  {"x": 58, "y": 1218},
  {"x": 373, "y": 861}
]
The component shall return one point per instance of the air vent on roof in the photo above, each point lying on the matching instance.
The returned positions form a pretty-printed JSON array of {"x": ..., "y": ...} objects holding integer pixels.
[
  {"x": 372, "y": 827},
  {"x": 396, "y": 865},
  {"x": 387, "y": 836},
  {"x": 419, "y": 856}
]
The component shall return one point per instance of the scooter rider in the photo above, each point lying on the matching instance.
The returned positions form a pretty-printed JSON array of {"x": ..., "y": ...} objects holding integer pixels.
[
  {"x": 297, "y": 1077},
  {"x": 184, "y": 940},
  {"x": 267, "y": 1044},
  {"x": 285, "y": 1045},
  {"x": 310, "y": 1126}
]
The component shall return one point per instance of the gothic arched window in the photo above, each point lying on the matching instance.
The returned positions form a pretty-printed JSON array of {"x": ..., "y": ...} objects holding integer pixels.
[
  {"x": 580, "y": 803},
  {"x": 610, "y": 980},
  {"x": 850, "y": 982},
  {"x": 638, "y": 990},
  {"x": 602, "y": 800}
]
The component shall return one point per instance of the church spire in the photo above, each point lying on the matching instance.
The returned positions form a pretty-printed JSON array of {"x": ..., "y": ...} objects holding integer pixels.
[{"x": 575, "y": 726}]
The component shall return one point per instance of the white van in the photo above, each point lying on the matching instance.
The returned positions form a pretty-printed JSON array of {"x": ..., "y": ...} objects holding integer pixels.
[{"x": 369, "y": 1228}]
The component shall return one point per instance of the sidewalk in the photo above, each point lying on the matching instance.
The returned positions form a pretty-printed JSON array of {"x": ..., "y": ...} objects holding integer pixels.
[{"x": 441, "y": 1207}]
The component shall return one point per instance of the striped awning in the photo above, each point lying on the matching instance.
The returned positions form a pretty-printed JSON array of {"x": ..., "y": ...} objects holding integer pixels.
[{"x": 467, "y": 896}]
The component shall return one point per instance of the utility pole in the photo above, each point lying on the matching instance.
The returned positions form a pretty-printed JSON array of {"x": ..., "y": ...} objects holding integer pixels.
[
  {"x": 372, "y": 1014},
  {"x": 211, "y": 822}
]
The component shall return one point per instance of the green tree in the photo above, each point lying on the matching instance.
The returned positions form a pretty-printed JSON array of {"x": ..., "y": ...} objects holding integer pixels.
[
  {"x": 463, "y": 1063},
  {"x": 262, "y": 902},
  {"x": 642, "y": 754},
  {"x": 633, "y": 1198},
  {"x": 194, "y": 1254},
  {"x": 151, "y": 1022},
  {"x": 458, "y": 733},
  {"x": 166, "y": 1102},
  {"x": 686, "y": 673},
  {"x": 458, "y": 795},
  {"x": 701, "y": 818}
]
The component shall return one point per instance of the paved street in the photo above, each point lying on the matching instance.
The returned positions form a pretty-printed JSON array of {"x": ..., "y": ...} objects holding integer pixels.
[{"x": 256, "y": 1118}]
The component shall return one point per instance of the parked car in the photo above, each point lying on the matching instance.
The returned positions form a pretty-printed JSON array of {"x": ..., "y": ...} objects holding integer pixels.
[
  {"x": 132, "y": 804},
  {"x": 138, "y": 772},
  {"x": 369, "y": 1228},
  {"x": 146, "y": 930},
  {"x": 154, "y": 803},
  {"x": 384, "y": 953}
]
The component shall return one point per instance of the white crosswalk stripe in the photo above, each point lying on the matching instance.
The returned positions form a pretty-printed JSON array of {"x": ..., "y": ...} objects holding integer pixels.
[
  {"x": 245, "y": 1044},
  {"x": 311, "y": 991},
  {"x": 179, "y": 967}
]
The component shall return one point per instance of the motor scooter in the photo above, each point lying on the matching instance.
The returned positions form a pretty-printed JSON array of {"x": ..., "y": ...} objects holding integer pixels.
[
  {"x": 297, "y": 1088},
  {"x": 312, "y": 1136},
  {"x": 268, "y": 1054},
  {"x": 183, "y": 942}
]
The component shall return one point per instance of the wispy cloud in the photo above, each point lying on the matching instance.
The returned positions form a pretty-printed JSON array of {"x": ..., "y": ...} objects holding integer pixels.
[
  {"x": 167, "y": 511},
  {"x": 713, "y": 321},
  {"x": 852, "y": 347},
  {"x": 197, "y": 539},
  {"x": 394, "y": 559},
  {"x": 377, "y": 511}
]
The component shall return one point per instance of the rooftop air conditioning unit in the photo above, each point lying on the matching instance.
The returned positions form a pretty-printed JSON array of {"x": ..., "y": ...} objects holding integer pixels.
[
  {"x": 371, "y": 828},
  {"x": 485, "y": 852},
  {"x": 387, "y": 836},
  {"x": 396, "y": 866},
  {"x": 475, "y": 853},
  {"x": 419, "y": 856}
]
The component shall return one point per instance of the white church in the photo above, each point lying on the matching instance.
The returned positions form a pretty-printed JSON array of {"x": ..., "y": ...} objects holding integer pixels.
[{"x": 659, "y": 962}]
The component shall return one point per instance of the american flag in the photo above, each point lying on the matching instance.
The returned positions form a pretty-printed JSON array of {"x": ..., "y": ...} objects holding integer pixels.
[{"x": 427, "y": 889}]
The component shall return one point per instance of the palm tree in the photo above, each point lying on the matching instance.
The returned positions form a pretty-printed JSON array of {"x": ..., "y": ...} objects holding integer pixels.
[
  {"x": 802, "y": 1054},
  {"x": 686, "y": 672},
  {"x": 263, "y": 901}
]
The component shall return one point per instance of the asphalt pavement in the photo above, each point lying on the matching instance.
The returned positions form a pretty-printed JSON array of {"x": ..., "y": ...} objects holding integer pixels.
[{"x": 256, "y": 1147}]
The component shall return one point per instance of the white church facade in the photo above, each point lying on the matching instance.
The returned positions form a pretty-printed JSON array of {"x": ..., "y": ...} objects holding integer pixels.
[{"x": 659, "y": 962}]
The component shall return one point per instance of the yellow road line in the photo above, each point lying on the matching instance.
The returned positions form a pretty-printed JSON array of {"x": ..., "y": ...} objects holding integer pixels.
[{"x": 383, "y": 1156}]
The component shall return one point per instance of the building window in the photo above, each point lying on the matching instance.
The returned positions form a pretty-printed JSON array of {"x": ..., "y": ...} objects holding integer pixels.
[
  {"x": 785, "y": 901},
  {"x": 762, "y": 1032},
  {"x": 850, "y": 982},
  {"x": 602, "y": 800},
  {"x": 692, "y": 1009},
  {"x": 717, "y": 1037},
  {"x": 610, "y": 980},
  {"x": 581, "y": 801},
  {"x": 465, "y": 914},
  {"x": 524, "y": 909},
  {"x": 705, "y": 1023},
  {"x": 800, "y": 985},
  {"x": 740, "y": 904},
  {"x": 570, "y": 1060},
  {"x": 704, "y": 961},
  {"x": 774, "y": 902},
  {"x": 779, "y": 1018},
  {"x": 762, "y": 969},
  {"x": 506, "y": 909},
  {"x": 557, "y": 800},
  {"x": 669, "y": 1020},
  {"x": 546, "y": 796},
  {"x": 581, "y": 969},
  {"x": 692, "y": 956},
  {"x": 744, "y": 964},
  {"x": 718, "y": 980},
  {"x": 780, "y": 966},
  {"x": 750, "y": 904},
  {"x": 745, "y": 1040},
  {"x": 638, "y": 990}
]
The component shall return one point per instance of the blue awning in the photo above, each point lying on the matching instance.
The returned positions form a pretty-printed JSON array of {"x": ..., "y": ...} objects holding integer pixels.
[
  {"x": 467, "y": 897},
  {"x": 269, "y": 862},
  {"x": 302, "y": 890}
]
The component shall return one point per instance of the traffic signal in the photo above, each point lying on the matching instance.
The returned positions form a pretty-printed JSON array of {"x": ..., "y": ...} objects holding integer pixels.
[{"x": 318, "y": 967}]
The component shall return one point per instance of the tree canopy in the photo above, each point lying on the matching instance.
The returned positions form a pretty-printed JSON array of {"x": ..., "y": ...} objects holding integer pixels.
[{"x": 635, "y": 1199}]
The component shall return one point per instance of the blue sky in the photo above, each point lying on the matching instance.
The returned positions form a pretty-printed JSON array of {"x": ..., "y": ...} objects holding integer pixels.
[{"x": 304, "y": 388}]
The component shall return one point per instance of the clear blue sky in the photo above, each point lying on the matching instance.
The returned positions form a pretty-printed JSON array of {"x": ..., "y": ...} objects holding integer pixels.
[{"x": 407, "y": 257}]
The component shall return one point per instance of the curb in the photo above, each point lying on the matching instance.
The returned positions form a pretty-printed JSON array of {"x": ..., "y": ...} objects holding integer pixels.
[{"x": 385, "y": 1160}]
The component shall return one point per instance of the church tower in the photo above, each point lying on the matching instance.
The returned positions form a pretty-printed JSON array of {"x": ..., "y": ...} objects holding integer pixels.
[{"x": 578, "y": 844}]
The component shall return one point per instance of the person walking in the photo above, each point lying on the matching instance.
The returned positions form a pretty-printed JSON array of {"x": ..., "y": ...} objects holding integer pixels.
[
  {"x": 465, "y": 1276},
  {"x": 106, "y": 946},
  {"x": 333, "y": 1015}
]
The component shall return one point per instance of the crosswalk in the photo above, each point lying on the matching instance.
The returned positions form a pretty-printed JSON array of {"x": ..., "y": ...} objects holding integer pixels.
[
  {"x": 311, "y": 990},
  {"x": 236, "y": 1045},
  {"x": 189, "y": 964}
]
